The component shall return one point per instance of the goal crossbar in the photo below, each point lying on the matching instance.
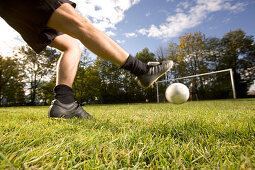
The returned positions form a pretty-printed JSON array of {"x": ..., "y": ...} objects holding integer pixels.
[{"x": 214, "y": 72}]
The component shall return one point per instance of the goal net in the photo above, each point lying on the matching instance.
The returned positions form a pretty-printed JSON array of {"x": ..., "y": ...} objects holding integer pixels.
[{"x": 212, "y": 85}]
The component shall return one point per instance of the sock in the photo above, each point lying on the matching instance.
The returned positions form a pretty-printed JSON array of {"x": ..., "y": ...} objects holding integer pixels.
[
  {"x": 135, "y": 66},
  {"x": 64, "y": 94}
]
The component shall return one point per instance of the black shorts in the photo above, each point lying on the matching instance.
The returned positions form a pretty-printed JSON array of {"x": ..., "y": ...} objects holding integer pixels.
[{"x": 30, "y": 18}]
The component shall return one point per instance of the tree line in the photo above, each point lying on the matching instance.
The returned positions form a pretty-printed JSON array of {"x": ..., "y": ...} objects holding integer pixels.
[{"x": 28, "y": 78}]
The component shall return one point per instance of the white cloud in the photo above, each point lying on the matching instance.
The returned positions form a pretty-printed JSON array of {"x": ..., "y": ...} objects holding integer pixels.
[
  {"x": 178, "y": 10},
  {"x": 225, "y": 20},
  {"x": 147, "y": 14},
  {"x": 238, "y": 7},
  {"x": 195, "y": 15},
  {"x": 184, "y": 4},
  {"x": 142, "y": 31},
  {"x": 135, "y": 2},
  {"x": 103, "y": 14},
  {"x": 212, "y": 27},
  {"x": 110, "y": 33},
  {"x": 120, "y": 41},
  {"x": 132, "y": 34}
]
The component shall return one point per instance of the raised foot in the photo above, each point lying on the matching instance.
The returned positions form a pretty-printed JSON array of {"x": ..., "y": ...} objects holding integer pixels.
[{"x": 155, "y": 71}]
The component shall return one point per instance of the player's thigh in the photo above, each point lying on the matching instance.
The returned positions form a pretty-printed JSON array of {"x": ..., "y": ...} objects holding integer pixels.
[{"x": 66, "y": 19}]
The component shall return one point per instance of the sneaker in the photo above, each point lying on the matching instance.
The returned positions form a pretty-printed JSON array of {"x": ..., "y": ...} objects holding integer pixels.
[
  {"x": 60, "y": 110},
  {"x": 156, "y": 70}
]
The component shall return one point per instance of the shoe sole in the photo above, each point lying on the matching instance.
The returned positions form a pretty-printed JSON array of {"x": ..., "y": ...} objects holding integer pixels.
[
  {"x": 59, "y": 118},
  {"x": 138, "y": 82}
]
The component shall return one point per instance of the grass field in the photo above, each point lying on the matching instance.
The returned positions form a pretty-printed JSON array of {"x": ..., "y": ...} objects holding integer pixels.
[{"x": 206, "y": 134}]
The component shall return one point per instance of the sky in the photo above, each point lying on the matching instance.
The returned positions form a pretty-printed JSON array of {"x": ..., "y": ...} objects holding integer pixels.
[{"x": 136, "y": 24}]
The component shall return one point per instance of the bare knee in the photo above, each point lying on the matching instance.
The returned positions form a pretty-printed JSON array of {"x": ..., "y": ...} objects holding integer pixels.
[
  {"x": 67, "y": 44},
  {"x": 72, "y": 47}
]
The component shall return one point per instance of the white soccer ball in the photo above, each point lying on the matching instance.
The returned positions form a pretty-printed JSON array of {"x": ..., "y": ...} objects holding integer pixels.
[{"x": 177, "y": 93}]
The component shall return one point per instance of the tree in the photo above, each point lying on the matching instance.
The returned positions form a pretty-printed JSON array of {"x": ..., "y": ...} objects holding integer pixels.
[
  {"x": 191, "y": 51},
  {"x": 87, "y": 82},
  {"x": 38, "y": 68},
  {"x": 239, "y": 54},
  {"x": 11, "y": 84},
  {"x": 194, "y": 55},
  {"x": 162, "y": 53},
  {"x": 190, "y": 57},
  {"x": 145, "y": 55},
  {"x": 214, "y": 52},
  {"x": 45, "y": 91},
  {"x": 111, "y": 78}
]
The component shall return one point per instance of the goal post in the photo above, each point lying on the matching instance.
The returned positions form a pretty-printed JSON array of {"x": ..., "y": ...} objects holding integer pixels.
[{"x": 199, "y": 75}]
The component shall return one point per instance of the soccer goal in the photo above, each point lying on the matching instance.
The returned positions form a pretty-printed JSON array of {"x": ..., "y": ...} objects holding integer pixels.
[{"x": 212, "y": 85}]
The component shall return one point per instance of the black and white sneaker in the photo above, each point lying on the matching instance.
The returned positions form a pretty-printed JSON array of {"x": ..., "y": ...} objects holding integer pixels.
[
  {"x": 67, "y": 111},
  {"x": 155, "y": 71}
]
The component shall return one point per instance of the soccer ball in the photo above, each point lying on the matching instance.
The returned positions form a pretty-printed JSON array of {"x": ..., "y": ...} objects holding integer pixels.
[{"x": 177, "y": 93}]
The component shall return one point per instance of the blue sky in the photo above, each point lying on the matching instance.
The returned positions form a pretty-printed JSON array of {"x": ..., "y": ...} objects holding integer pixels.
[
  {"x": 136, "y": 24},
  {"x": 152, "y": 16}
]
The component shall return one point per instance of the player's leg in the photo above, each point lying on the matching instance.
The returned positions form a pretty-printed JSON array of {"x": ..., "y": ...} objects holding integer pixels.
[
  {"x": 69, "y": 60},
  {"x": 64, "y": 104},
  {"x": 67, "y": 20},
  {"x": 196, "y": 96}
]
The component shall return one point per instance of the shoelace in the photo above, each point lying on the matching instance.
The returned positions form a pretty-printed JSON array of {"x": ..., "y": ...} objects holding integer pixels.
[
  {"x": 156, "y": 67},
  {"x": 153, "y": 63}
]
